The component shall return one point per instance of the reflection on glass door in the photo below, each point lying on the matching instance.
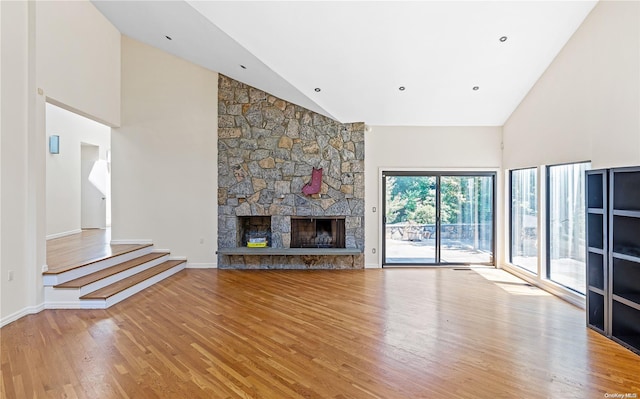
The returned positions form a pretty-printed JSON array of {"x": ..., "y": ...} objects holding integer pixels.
[
  {"x": 410, "y": 214},
  {"x": 466, "y": 215},
  {"x": 435, "y": 218}
]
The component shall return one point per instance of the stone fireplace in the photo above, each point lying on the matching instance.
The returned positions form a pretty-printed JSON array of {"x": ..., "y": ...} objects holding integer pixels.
[{"x": 267, "y": 150}]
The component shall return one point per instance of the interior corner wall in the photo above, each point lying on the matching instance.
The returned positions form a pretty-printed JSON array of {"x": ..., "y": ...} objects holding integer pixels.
[
  {"x": 164, "y": 155},
  {"x": 17, "y": 205},
  {"x": 424, "y": 148},
  {"x": 63, "y": 169},
  {"x": 586, "y": 106},
  {"x": 79, "y": 59}
]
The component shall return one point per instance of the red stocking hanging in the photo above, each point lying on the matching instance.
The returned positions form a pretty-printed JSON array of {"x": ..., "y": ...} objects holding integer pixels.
[{"x": 313, "y": 187}]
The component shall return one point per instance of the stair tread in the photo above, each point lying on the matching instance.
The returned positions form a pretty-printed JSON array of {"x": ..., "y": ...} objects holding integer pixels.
[
  {"x": 112, "y": 252},
  {"x": 110, "y": 271},
  {"x": 119, "y": 286}
]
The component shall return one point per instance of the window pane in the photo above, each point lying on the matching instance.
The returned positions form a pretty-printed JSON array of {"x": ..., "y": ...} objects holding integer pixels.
[
  {"x": 566, "y": 221},
  {"x": 524, "y": 219},
  {"x": 410, "y": 236},
  {"x": 466, "y": 216}
]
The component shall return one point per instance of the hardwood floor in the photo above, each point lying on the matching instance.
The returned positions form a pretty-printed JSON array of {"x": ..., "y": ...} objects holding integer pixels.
[
  {"x": 89, "y": 246},
  {"x": 389, "y": 333}
]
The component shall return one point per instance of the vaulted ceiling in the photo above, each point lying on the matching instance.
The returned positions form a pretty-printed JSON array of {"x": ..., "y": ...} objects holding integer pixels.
[{"x": 396, "y": 63}]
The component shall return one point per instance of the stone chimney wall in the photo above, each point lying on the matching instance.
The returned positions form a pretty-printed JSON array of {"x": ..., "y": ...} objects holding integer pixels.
[{"x": 267, "y": 148}]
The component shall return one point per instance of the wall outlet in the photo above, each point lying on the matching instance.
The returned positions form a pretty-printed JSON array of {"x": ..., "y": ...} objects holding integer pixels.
[
  {"x": 10, "y": 275},
  {"x": 202, "y": 241}
]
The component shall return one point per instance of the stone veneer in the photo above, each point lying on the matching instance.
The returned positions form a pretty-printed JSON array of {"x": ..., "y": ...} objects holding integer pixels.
[{"x": 267, "y": 148}]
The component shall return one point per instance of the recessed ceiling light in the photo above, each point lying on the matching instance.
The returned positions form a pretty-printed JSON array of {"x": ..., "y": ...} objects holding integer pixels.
[
  {"x": 476, "y": 88},
  {"x": 401, "y": 88},
  {"x": 317, "y": 90},
  {"x": 168, "y": 37},
  {"x": 503, "y": 39},
  {"x": 242, "y": 66}
]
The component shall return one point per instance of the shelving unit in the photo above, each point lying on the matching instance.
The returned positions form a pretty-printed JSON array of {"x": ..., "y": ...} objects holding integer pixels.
[
  {"x": 613, "y": 254},
  {"x": 597, "y": 251},
  {"x": 624, "y": 257}
]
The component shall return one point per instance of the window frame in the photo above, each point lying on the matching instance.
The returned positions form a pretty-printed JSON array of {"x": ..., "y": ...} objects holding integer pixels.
[
  {"x": 535, "y": 272},
  {"x": 547, "y": 221}
]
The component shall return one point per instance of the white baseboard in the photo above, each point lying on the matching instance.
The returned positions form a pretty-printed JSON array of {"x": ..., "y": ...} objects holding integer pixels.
[
  {"x": 21, "y": 313},
  {"x": 372, "y": 266},
  {"x": 130, "y": 242},
  {"x": 63, "y": 234},
  {"x": 202, "y": 265},
  {"x": 63, "y": 305}
]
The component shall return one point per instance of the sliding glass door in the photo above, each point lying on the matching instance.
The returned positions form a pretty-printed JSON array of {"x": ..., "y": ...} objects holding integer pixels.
[
  {"x": 438, "y": 218},
  {"x": 410, "y": 219}
]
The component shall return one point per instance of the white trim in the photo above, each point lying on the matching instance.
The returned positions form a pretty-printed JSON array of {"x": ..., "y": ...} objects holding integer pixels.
[
  {"x": 372, "y": 266},
  {"x": 69, "y": 298},
  {"x": 103, "y": 304},
  {"x": 177, "y": 258},
  {"x": 63, "y": 305},
  {"x": 131, "y": 242},
  {"x": 55, "y": 279},
  {"x": 161, "y": 250},
  {"x": 21, "y": 313},
  {"x": 64, "y": 234},
  {"x": 546, "y": 285},
  {"x": 202, "y": 265}
]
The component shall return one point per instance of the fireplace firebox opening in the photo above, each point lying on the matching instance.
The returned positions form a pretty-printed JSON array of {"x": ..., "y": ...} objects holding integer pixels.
[
  {"x": 318, "y": 232},
  {"x": 254, "y": 229}
]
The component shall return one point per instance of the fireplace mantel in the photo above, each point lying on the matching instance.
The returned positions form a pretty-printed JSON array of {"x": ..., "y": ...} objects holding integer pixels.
[{"x": 289, "y": 251}]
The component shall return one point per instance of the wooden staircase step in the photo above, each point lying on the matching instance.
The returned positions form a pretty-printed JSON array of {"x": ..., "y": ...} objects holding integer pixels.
[
  {"x": 88, "y": 257},
  {"x": 119, "y": 286},
  {"x": 110, "y": 271}
]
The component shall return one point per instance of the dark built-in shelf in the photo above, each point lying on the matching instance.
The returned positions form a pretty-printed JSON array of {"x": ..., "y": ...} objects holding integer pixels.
[
  {"x": 613, "y": 256},
  {"x": 596, "y": 290},
  {"x": 625, "y": 324},
  {"x": 618, "y": 255},
  {"x": 596, "y": 310},
  {"x": 289, "y": 251},
  {"x": 631, "y": 300},
  {"x": 631, "y": 214},
  {"x": 597, "y": 253}
]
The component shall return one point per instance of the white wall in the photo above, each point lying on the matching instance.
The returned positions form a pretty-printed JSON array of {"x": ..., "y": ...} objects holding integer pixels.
[
  {"x": 586, "y": 106},
  {"x": 423, "y": 148},
  {"x": 14, "y": 156},
  {"x": 63, "y": 169},
  {"x": 79, "y": 59},
  {"x": 22, "y": 169},
  {"x": 164, "y": 155},
  {"x": 61, "y": 53}
]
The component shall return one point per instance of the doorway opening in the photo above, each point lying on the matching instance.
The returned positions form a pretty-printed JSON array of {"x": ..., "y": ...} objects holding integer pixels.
[
  {"x": 438, "y": 218},
  {"x": 94, "y": 188},
  {"x": 77, "y": 173}
]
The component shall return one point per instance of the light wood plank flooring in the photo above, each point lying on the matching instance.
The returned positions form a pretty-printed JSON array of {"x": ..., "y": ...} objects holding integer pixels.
[
  {"x": 390, "y": 333},
  {"x": 89, "y": 246}
]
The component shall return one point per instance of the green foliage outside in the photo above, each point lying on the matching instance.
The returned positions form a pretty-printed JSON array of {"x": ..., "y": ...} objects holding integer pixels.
[{"x": 412, "y": 199}]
